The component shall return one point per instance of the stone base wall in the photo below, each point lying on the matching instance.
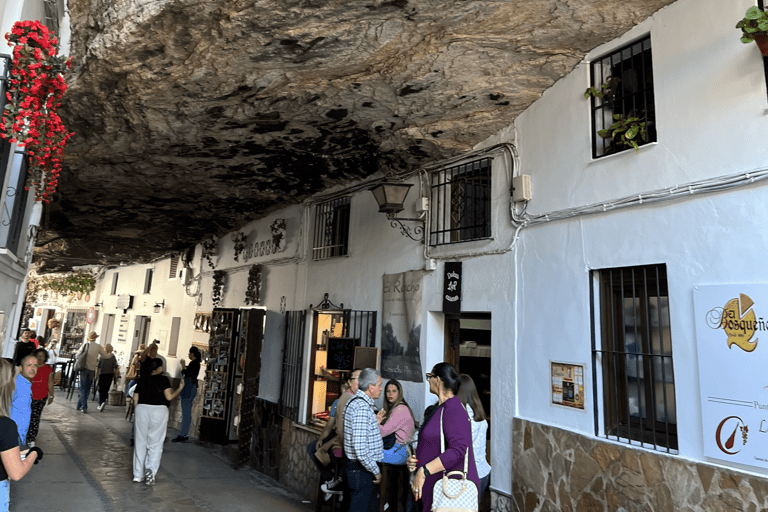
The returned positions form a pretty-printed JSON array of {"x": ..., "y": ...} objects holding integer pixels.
[
  {"x": 296, "y": 469},
  {"x": 500, "y": 502},
  {"x": 557, "y": 470}
]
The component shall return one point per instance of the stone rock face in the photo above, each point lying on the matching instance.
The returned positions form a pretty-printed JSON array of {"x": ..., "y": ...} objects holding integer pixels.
[{"x": 196, "y": 116}]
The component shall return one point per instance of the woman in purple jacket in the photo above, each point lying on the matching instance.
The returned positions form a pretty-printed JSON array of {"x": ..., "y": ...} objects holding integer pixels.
[{"x": 429, "y": 462}]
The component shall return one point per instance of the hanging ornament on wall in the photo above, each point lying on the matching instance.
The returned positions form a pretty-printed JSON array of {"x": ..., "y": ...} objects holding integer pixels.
[
  {"x": 218, "y": 287},
  {"x": 209, "y": 250},
  {"x": 239, "y": 239},
  {"x": 253, "y": 293}
]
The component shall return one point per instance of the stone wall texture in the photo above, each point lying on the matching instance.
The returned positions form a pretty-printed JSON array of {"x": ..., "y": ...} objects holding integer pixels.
[{"x": 557, "y": 470}]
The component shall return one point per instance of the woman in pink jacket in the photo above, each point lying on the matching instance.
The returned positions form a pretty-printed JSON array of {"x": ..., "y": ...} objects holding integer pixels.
[{"x": 396, "y": 418}]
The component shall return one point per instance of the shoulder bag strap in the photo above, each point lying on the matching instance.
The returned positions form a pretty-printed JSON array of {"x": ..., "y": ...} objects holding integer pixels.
[{"x": 442, "y": 447}]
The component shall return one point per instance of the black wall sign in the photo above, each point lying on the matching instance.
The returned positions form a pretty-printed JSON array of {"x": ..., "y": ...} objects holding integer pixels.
[
  {"x": 452, "y": 287},
  {"x": 341, "y": 354}
]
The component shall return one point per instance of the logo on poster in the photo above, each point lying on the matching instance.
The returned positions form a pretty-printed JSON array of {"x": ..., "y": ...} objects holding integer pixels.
[
  {"x": 725, "y": 435},
  {"x": 737, "y": 318}
]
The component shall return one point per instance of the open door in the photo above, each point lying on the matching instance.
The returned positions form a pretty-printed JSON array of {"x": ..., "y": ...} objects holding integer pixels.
[{"x": 247, "y": 382}]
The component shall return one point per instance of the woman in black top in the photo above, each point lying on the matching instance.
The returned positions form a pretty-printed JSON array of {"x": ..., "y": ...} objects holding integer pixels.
[
  {"x": 188, "y": 395},
  {"x": 12, "y": 465},
  {"x": 151, "y": 418}
]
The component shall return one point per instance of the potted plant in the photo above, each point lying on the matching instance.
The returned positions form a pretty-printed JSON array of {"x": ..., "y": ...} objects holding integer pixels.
[
  {"x": 754, "y": 27},
  {"x": 625, "y": 130}
]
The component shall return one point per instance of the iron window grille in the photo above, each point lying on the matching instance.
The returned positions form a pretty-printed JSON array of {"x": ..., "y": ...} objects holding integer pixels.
[
  {"x": 174, "y": 267},
  {"x": 629, "y": 73},
  {"x": 331, "y": 229},
  {"x": 290, "y": 389},
  {"x": 148, "y": 280},
  {"x": 461, "y": 203},
  {"x": 115, "y": 277},
  {"x": 635, "y": 356}
]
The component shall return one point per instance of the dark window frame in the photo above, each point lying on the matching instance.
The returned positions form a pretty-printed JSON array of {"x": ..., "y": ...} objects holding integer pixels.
[
  {"x": 630, "y": 71},
  {"x": 148, "y": 275},
  {"x": 331, "y": 235},
  {"x": 460, "y": 206},
  {"x": 115, "y": 278},
  {"x": 634, "y": 356}
]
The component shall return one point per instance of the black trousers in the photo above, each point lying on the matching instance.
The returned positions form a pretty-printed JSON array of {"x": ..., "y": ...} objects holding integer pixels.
[{"x": 105, "y": 382}]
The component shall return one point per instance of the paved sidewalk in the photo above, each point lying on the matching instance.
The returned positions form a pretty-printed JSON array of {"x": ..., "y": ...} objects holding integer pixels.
[{"x": 87, "y": 467}]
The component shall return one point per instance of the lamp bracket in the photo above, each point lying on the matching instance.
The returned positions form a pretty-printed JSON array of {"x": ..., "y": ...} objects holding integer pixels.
[{"x": 397, "y": 222}]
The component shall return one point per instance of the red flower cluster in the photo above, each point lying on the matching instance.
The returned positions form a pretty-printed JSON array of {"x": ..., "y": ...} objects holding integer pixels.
[{"x": 30, "y": 119}]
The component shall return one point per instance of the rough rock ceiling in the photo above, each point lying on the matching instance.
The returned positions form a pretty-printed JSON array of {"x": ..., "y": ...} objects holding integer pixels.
[{"x": 196, "y": 116}]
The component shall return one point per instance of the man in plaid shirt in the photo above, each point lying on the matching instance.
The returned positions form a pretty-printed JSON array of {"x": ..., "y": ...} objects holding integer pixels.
[{"x": 363, "y": 446}]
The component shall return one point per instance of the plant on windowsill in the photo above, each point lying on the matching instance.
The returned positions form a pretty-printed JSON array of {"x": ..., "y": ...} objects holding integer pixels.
[
  {"x": 754, "y": 27},
  {"x": 624, "y": 132},
  {"x": 607, "y": 91},
  {"x": 218, "y": 287}
]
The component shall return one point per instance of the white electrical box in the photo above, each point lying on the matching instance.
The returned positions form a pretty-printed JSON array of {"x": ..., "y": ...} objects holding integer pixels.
[
  {"x": 423, "y": 204},
  {"x": 186, "y": 276},
  {"x": 521, "y": 188}
]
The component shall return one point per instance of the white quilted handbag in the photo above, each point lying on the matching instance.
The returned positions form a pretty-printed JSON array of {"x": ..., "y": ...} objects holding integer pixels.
[{"x": 453, "y": 494}]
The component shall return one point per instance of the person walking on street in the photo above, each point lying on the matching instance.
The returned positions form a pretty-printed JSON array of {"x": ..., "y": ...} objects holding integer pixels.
[
  {"x": 21, "y": 402},
  {"x": 23, "y": 347},
  {"x": 92, "y": 351},
  {"x": 13, "y": 466},
  {"x": 189, "y": 374},
  {"x": 363, "y": 447},
  {"x": 42, "y": 393},
  {"x": 107, "y": 372},
  {"x": 154, "y": 395}
]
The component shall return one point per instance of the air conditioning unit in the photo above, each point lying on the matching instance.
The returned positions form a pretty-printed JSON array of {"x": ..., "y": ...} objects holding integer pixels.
[{"x": 186, "y": 276}]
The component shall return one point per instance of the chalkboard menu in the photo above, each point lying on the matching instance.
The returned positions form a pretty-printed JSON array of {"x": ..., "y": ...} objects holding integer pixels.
[{"x": 341, "y": 354}]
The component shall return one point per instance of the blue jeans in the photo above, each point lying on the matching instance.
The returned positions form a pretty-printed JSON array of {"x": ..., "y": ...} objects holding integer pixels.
[
  {"x": 5, "y": 495},
  {"x": 86, "y": 380},
  {"x": 186, "y": 406},
  {"x": 483, "y": 486},
  {"x": 363, "y": 494}
]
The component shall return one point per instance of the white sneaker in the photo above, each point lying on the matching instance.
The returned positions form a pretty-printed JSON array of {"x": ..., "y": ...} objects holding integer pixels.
[
  {"x": 101, "y": 406},
  {"x": 331, "y": 486}
]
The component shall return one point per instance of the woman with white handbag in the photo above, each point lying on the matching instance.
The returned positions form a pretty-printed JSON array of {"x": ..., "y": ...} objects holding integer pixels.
[{"x": 445, "y": 474}]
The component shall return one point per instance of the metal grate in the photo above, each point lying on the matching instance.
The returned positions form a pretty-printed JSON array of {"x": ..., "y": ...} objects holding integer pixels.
[
  {"x": 290, "y": 392},
  {"x": 331, "y": 229},
  {"x": 635, "y": 357},
  {"x": 629, "y": 71},
  {"x": 15, "y": 204},
  {"x": 174, "y": 267},
  {"x": 360, "y": 325},
  {"x": 461, "y": 203}
]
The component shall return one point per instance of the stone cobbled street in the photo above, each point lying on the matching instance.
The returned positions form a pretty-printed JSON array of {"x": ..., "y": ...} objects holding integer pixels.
[{"x": 87, "y": 467}]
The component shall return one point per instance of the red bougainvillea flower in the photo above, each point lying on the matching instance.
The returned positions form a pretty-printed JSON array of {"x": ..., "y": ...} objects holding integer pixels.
[{"x": 30, "y": 119}]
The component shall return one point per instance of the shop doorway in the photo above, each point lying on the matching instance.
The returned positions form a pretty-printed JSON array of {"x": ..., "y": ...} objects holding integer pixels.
[
  {"x": 107, "y": 328},
  {"x": 468, "y": 349},
  {"x": 141, "y": 332}
]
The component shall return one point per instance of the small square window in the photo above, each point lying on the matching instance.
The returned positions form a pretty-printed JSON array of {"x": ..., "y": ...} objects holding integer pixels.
[
  {"x": 331, "y": 229},
  {"x": 624, "y": 78},
  {"x": 635, "y": 356}
]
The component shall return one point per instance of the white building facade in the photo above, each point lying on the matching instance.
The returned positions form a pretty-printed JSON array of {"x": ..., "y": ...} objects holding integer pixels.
[{"x": 578, "y": 314}]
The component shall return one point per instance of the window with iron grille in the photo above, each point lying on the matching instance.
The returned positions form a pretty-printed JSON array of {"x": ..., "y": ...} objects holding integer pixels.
[
  {"x": 331, "y": 229},
  {"x": 115, "y": 277},
  {"x": 461, "y": 203},
  {"x": 627, "y": 74},
  {"x": 290, "y": 389},
  {"x": 634, "y": 358},
  {"x": 148, "y": 280},
  {"x": 174, "y": 267}
]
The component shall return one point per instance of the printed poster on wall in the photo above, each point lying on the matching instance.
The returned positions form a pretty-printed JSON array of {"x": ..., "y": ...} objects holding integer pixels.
[
  {"x": 401, "y": 327},
  {"x": 732, "y": 338}
]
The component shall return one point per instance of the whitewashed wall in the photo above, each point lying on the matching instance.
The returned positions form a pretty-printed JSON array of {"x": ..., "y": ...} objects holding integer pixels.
[{"x": 711, "y": 119}]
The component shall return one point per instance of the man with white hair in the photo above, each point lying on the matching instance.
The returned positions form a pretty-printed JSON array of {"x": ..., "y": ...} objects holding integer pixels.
[{"x": 363, "y": 447}]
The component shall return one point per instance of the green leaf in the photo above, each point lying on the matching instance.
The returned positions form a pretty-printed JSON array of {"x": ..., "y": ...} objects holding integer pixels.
[
  {"x": 632, "y": 132},
  {"x": 753, "y": 13},
  {"x": 747, "y": 39}
]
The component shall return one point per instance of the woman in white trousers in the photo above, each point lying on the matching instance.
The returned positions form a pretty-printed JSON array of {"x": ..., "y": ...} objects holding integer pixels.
[{"x": 153, "y": 395}]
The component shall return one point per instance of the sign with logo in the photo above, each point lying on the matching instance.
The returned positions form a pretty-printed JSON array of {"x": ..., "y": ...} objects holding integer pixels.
[
  {"x": 732, "y": 339},
  {"x": 452, "y": 287},
  {"x": 401, "y": 327}
]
